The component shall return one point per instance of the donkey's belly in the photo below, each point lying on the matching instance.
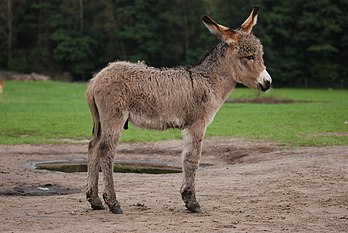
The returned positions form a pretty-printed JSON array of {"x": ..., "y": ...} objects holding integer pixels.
[{"x": 156, "y": 123}]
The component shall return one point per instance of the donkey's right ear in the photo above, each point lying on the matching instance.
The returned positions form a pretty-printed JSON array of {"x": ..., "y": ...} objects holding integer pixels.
[{"x": 225, "y": 34}]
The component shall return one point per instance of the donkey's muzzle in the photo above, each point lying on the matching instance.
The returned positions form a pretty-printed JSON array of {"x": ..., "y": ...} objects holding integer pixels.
[
  {"x": 265, "y": 86},
  {"x": 264, "y": 81}
]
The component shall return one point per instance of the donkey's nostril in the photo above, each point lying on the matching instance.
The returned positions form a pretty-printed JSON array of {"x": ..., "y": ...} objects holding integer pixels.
[{"x": 266, "y": 85}]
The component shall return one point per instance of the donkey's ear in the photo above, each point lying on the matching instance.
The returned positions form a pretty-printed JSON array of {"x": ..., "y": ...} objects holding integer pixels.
[
  {"x": 248, "y": 24},
  {"x": 225, "y": 34}
]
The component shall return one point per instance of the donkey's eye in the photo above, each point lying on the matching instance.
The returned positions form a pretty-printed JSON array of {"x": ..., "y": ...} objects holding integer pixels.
[{"x": 251, "y": 57}]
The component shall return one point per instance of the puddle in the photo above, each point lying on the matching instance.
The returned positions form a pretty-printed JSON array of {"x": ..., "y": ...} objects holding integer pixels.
[
  {"x": 38, "y": 190},
  {"x": 119, "y": 167}
]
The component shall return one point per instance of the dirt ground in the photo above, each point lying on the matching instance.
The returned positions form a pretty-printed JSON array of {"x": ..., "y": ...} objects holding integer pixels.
[{"x": 244, "y": 186}]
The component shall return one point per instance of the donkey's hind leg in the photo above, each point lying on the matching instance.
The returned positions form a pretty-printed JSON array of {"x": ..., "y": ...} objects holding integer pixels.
[
  {"x": 107, "y": 149},
  {"x": 193, "y": 138},
  {"x": 93, "y": 176}
]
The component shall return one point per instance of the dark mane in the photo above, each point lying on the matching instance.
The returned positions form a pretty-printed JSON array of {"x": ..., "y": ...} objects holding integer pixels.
[{"x": 213, "y": 55}]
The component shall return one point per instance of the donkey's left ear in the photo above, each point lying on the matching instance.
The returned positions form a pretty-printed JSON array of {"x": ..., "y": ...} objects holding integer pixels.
[
  {"x": 248, "y": 24},
  {"x": 225, "y": 34}
]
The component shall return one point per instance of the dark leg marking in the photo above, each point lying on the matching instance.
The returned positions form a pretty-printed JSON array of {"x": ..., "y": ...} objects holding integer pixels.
[
  {"x": 96, "y": 204},
  {"x": 190, "y": 201}
]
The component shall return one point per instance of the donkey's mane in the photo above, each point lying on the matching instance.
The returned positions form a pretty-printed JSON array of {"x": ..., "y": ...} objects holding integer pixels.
[
  {"x": 209, "y": 58},
  {"x": 212, "y": 56}
]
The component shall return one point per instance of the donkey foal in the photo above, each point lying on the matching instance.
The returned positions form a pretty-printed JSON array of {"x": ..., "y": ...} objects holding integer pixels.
[{"x": 186, "y": 98}]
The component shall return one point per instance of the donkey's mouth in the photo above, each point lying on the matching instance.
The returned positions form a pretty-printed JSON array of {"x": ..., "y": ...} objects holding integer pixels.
[
  {"x": 264, "y": 80},
  {"x": 266, "y": 85}
]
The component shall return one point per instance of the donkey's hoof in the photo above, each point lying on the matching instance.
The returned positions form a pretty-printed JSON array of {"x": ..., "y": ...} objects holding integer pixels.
[
  {"x": 116, "y": 210},
  {"x": 98, "y": 207},
  {"x": 96, "y": 204},
  {"x": 195, "y": 208}
]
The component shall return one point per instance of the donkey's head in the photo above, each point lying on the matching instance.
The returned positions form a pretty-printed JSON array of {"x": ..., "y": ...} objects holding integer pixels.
[{"x": 243, "y": 59}]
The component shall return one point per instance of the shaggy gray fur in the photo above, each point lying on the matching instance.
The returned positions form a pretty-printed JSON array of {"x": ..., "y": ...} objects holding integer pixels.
[{"x": 185, "y": 97}]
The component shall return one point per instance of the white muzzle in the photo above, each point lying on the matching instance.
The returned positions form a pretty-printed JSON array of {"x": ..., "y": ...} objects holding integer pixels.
[{"x": 264, "y": 80}]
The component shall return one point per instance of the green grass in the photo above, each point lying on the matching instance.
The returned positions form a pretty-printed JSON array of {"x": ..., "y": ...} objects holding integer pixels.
[
  {"x": 46, "y": 112},
  {"x": 37, "y": 112},
  {"x": 296, "y": 124}
]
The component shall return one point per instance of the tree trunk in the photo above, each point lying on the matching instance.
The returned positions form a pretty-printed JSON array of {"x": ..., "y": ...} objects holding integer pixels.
[
  {"x": 10, "y": 28},
  {"x": 81, "y": 16}
]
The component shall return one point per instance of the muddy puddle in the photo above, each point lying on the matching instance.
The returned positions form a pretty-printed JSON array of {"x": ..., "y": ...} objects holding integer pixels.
[
  {"x": 148, "y": 167},
  {"x": 38, "y": 190}
]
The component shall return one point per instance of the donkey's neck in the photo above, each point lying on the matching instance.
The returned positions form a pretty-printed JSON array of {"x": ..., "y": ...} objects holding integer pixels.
[
  {"x": 211, "y": 66},
  {"x": 211, "y": 60}
]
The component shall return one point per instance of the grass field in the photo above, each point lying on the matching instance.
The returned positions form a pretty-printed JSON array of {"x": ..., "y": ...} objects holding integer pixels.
[{"x": 48, "y": 112}]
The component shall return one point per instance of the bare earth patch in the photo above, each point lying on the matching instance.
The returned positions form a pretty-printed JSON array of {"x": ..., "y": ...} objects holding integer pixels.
[
  {"x": 266, "y": 100},
  {"x": 338, "y": 134},
  {"x": 249, "y": 186}
]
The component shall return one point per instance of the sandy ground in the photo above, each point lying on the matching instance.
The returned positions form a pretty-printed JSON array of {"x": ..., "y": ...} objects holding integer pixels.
[{"x": 245, "y": 186}]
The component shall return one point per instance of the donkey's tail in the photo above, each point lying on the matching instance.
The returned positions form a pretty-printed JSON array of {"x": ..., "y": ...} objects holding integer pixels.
[{"x": 95, "y": 114}]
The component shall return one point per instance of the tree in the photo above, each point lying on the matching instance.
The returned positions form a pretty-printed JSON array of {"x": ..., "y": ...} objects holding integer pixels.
[
  {"x": 304, "y": 48},
  {"x": 305, "y": 42},
  {"x": 6, "y": 15}
]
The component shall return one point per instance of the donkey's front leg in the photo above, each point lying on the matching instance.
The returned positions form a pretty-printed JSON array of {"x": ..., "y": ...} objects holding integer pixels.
[{"x": 193, "y": 139}]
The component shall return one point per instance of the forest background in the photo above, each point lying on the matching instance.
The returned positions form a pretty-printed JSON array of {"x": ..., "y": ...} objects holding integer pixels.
[{"x": 305, "y": 42}]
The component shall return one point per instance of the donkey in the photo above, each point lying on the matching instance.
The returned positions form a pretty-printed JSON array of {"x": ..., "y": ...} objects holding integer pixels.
[{"x": 186, "y": 98}]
